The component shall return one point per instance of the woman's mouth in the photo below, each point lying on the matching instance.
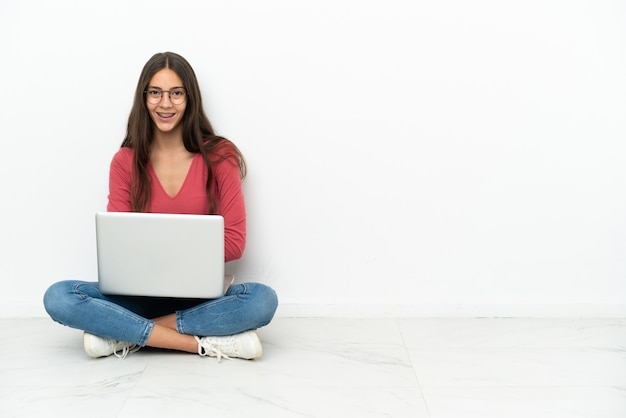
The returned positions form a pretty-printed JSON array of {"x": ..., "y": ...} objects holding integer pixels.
[{"x": 165, "y": 115}]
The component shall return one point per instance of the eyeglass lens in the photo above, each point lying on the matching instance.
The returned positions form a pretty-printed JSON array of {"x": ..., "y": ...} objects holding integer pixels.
[{"x": 177, "y": 96}]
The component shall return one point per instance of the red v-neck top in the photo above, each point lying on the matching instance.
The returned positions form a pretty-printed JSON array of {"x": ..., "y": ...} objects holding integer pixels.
[{"x": 191, "y": 198}]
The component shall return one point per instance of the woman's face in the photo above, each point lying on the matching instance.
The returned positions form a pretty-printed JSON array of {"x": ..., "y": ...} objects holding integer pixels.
[{"x": 166, "y": 100}]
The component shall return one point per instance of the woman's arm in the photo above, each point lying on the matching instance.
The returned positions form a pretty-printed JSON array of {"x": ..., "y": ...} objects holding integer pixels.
[
  {"x": 231, "y": 205},
  {"x": 120, "y": 180}
]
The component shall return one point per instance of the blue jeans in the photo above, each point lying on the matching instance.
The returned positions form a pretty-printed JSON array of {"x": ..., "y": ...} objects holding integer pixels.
[{"x": 81, "y": 305}]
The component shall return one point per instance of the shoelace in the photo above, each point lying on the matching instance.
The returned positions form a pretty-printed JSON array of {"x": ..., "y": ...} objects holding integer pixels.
[
  {"x": 214, "y": 350},
  {"x": 125, "y": 349},
  {"x": 206, "y": 347}
]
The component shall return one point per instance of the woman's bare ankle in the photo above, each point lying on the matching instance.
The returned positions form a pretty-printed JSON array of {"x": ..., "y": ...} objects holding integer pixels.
[
  {"x": 165, "y": 337},
  {"x": 168, "y": 321}
]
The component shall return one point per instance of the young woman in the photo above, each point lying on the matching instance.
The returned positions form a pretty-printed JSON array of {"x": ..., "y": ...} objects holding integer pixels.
[{"x": 171, "y": 162}]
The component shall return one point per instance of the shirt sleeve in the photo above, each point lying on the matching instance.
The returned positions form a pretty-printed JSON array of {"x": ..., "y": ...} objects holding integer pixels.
[
  {"x": 230, "y": 200},
  {"x": 120, "y": 180}
]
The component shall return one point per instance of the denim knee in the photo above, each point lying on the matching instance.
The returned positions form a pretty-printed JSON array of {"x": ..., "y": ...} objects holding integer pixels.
[
  {"x": 56, "y": 300},
  {"x": 266, "y": 302}
]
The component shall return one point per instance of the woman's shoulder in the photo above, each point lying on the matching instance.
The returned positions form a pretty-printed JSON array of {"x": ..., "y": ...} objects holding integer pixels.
[
  {"x": 124, "y": 154},
  {"x": 220, "y": 149},
  {"x": 122, "y": 160},
  {"x": 218, "y": 143}
]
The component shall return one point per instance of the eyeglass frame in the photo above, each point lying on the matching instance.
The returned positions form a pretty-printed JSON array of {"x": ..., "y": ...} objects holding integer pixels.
[{"x": 169, "y": 93}]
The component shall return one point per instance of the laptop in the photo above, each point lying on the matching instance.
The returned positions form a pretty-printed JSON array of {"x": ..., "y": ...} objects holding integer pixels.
[{"x": 162, "y": 255}]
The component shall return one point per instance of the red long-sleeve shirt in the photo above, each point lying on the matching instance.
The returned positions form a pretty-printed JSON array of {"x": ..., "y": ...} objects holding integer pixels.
[{"x": 192, "y": 197}]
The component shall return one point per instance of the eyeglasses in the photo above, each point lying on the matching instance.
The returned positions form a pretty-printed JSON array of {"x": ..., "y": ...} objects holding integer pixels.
[{"x": 177, "y": 96}]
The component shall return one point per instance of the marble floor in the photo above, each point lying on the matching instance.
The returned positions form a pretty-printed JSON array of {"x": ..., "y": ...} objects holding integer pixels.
[{"x": 437, "y": 368}]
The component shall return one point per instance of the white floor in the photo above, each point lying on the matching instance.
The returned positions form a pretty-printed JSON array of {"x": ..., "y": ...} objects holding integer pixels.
[{"x": 332, "y": 368}]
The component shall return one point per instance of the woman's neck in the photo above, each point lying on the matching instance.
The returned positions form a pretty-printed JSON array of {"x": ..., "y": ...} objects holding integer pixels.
[{"x": 167, "y": 142}]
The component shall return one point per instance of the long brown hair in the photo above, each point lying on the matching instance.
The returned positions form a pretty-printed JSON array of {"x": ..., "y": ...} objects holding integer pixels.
[{"x": 198, "y": 134}]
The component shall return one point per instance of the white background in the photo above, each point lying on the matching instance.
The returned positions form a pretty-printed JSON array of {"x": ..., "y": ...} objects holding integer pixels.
[{"x": 450, "y": 158}]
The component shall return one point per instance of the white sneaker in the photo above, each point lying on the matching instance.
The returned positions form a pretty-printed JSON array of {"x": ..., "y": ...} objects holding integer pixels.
[
  {"x": 245, "y": 345},
  {"x": 102, "y": 347}
]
